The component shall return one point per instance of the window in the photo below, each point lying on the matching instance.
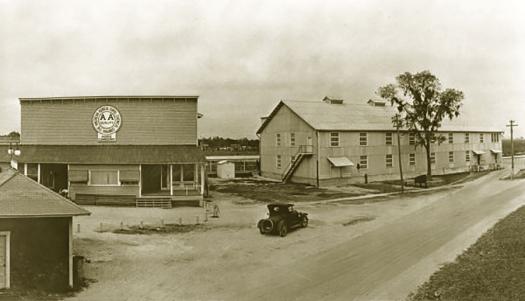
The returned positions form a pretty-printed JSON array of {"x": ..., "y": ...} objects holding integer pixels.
[
  {"x": 412, "y": 159},
  {"x": 481, "y": 138},
  {"x": 363, "y": 162},
  {"x": 363, "y": 139},
  {"x": 334, "y": 139},
  {"x": 277, "y": 139},
  {"x": 467, "y": 138},
  {"x": 467, "y": 156},
  {"x": 388, "y": 160},
  {"x": 451, "y": 138},
  {"x": 432, "y": 158},
  {"x": 450, "y": 157},
  {"x": 494, "y": 137},
  {"x": 104, "y": 177},
  {"x": 388, "y": 138},
  {"x": 292, "y": 139},
  {"x": 278, "y": 162},
  {"x": 412, "y": 138}
]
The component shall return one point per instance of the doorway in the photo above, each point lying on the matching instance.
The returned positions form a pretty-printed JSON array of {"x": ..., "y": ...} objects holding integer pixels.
[{"x": 54, "y": 176}]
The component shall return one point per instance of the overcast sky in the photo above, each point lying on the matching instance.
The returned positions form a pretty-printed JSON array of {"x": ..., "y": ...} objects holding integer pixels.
[{"x": 242, "y": 57}]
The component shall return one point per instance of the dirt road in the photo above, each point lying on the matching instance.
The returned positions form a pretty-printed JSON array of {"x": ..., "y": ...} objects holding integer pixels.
[
  {"x": 404, "y": 241},
  {"x": 388, "y": 262}
]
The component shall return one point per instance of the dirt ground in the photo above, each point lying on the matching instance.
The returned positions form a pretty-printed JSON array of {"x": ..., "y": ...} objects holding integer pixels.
[{"x": 211, "y": 264}]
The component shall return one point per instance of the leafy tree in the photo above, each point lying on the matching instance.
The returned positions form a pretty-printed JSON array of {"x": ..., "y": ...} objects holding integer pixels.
[
  {"x": 422, "y": 105},
  {"x": 14, "y": 134}
]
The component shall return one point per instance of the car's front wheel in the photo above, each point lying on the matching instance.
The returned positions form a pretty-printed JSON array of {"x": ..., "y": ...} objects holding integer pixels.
[
  {"x": 283, "y": 229},
  {"x": 304, "y": 222}
]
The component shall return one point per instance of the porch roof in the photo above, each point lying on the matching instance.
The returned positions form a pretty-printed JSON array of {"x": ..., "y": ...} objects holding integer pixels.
[
  {"x": 340, "y": 161},
  {"x": 107, "y": 154}
]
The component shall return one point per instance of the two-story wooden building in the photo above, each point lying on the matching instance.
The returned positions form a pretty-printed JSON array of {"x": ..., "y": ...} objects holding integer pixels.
[
  {"x": 132, "y": 150},
  {"x": 334, "y": 142}
]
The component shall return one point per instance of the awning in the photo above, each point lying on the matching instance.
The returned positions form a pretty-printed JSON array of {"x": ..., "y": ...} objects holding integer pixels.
[
  {"x": 340, "y": 161},
  {"x": 478, "y": 152},
  {"x": 495, "y": 151}
]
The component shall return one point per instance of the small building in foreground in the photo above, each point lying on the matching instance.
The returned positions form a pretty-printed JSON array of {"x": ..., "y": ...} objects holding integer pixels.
[
  {"x": 336, "y": 142},
  {"x": 245, "y": 165},
  {"x": 36, "y": 235},
  {"x": 114, "y": 150}
]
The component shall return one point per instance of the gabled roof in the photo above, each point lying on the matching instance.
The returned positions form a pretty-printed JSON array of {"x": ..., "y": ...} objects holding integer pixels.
[
  {"x": 21, "y": 196},
  {"x": 111, "y": 97},
  {"x": 106, "y": 154},
  {"x": 357, "y": 116}
]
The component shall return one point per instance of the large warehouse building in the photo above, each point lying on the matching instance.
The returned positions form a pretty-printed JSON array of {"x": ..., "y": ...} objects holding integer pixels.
[
  {"x": 335, "y": 142},
  {"x": 133, "y": 150}
]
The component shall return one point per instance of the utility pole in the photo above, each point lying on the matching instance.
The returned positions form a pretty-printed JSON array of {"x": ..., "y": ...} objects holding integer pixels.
[
  {"x": 512, "y": 124},
  {"x": 397, "y": 122}
]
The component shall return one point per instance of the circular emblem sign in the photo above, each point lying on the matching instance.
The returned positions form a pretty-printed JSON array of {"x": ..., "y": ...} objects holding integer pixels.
[{"x": 107, "y": 120}]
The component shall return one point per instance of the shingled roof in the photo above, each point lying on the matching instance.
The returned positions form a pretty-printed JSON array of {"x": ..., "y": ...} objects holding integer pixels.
[
  {"x": 106, "y": 154},
  {"x": 22, "y": 197},
  {"x": 357, "y": 116}
]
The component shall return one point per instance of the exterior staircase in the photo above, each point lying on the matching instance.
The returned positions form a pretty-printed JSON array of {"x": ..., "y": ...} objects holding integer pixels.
[{"x": 304, "y": 151}]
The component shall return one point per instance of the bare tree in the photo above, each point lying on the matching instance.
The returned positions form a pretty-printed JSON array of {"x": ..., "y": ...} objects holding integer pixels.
[{"x": 422, "y": 106}]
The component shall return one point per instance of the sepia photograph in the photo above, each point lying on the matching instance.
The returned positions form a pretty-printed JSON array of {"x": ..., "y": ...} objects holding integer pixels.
[{"x": 243, "y": 150}]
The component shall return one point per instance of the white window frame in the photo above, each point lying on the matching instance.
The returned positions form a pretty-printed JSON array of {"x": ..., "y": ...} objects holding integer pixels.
[
  {"x": 412, "y": 159},
  {"x": 363, "y": 139},
  {"x": 365, "y": 165},
  {"x": 411, "y": 138},
  {"x": 467, "y": 137},
  {"x": 389, "y": 138},
  {"x": 450, "y": 157},
  {"x": 277, "y": 139},
  {"x": 389, "y": 161},
  {"x": 334, "y": 135},
  {"x": 278, "y": 162},
  {"x": 292, "y": 139},
  {"x": 433, "y": 158},
  {"x": 450, "y": 138},
  {"x": 106, "y": 185},
  {"x": 467, "y": 156},
  {"x": 481, "y": 138}
]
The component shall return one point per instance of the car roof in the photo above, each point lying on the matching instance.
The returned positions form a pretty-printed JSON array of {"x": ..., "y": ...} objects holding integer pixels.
[{"x": 279, "y": 205}]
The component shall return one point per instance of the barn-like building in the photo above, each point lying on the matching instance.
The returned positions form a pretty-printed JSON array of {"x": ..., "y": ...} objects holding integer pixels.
[{"x": 335, "y": 142}]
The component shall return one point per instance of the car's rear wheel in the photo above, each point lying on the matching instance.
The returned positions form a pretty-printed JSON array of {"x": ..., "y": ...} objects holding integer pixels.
[
  {"x": 265, "y": 226},
  {"x": 283, "y": 229},
  {"x": 304, "y": 222}
]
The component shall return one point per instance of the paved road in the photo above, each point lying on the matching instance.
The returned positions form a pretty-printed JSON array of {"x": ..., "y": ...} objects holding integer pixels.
[{"x": 389, "y": 262}]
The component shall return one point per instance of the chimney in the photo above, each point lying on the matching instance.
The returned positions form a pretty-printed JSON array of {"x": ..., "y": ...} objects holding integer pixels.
[{"x": 333, "y": 101}]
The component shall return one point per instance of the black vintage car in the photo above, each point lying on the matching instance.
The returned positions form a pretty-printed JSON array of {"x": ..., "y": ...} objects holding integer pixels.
[{"x": 282, "y": 217}]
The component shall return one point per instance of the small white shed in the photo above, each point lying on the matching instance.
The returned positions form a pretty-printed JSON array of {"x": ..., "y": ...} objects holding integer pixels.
[{"x": 225, "y": 169}]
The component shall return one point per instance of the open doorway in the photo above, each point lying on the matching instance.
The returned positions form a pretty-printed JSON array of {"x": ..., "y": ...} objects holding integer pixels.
[
  {"x": 54, "y": 176},
  {"x": 155, "y": 179}
]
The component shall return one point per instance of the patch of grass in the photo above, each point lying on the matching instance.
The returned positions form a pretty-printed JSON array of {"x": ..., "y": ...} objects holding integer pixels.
[
  {"x": 359, "y": 219},
  {"x": 167, "y": 229},
  {"x": 491, "y": 269},
  {"x": 268, "y": 191}
]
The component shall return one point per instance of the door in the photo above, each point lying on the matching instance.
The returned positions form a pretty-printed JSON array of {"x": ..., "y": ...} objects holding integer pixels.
[
  {"x": 309, "y": 144},
  {"x": 4, "y": 260}
]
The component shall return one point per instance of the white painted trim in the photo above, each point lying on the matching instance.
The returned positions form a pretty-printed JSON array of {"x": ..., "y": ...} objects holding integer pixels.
[
  {"x": 105, "y": 185},
  {"x": 171, "y": 179},
  {"x": 70, "y": 246},
  {"x": 38, "y": 173},
  {"x": 7, "y": 235},
  {"x": 68, "y": 182},
  {"x": 25, "y": 169},
  {"x": 140, "y": 180},
  {"x": 202, "y": 179}
]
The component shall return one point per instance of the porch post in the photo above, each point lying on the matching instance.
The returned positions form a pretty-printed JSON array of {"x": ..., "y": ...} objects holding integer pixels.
[
  {"x": 70, "y": 252},
  {"x": 196, "y": 175},
  {"x": 171, "y": 179},
  {"x": 140, "y": 180},
  {"x": 38, "y": 173},
  {"x": 202, "y": 179},
  {"x": 25, "y": 169}
]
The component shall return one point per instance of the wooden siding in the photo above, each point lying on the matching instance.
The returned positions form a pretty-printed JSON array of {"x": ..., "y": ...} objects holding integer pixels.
[
  {"x": 85, "y": 189},
  {"x": 284, "y": 123},
  {"x": 157, "y": 121}
]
